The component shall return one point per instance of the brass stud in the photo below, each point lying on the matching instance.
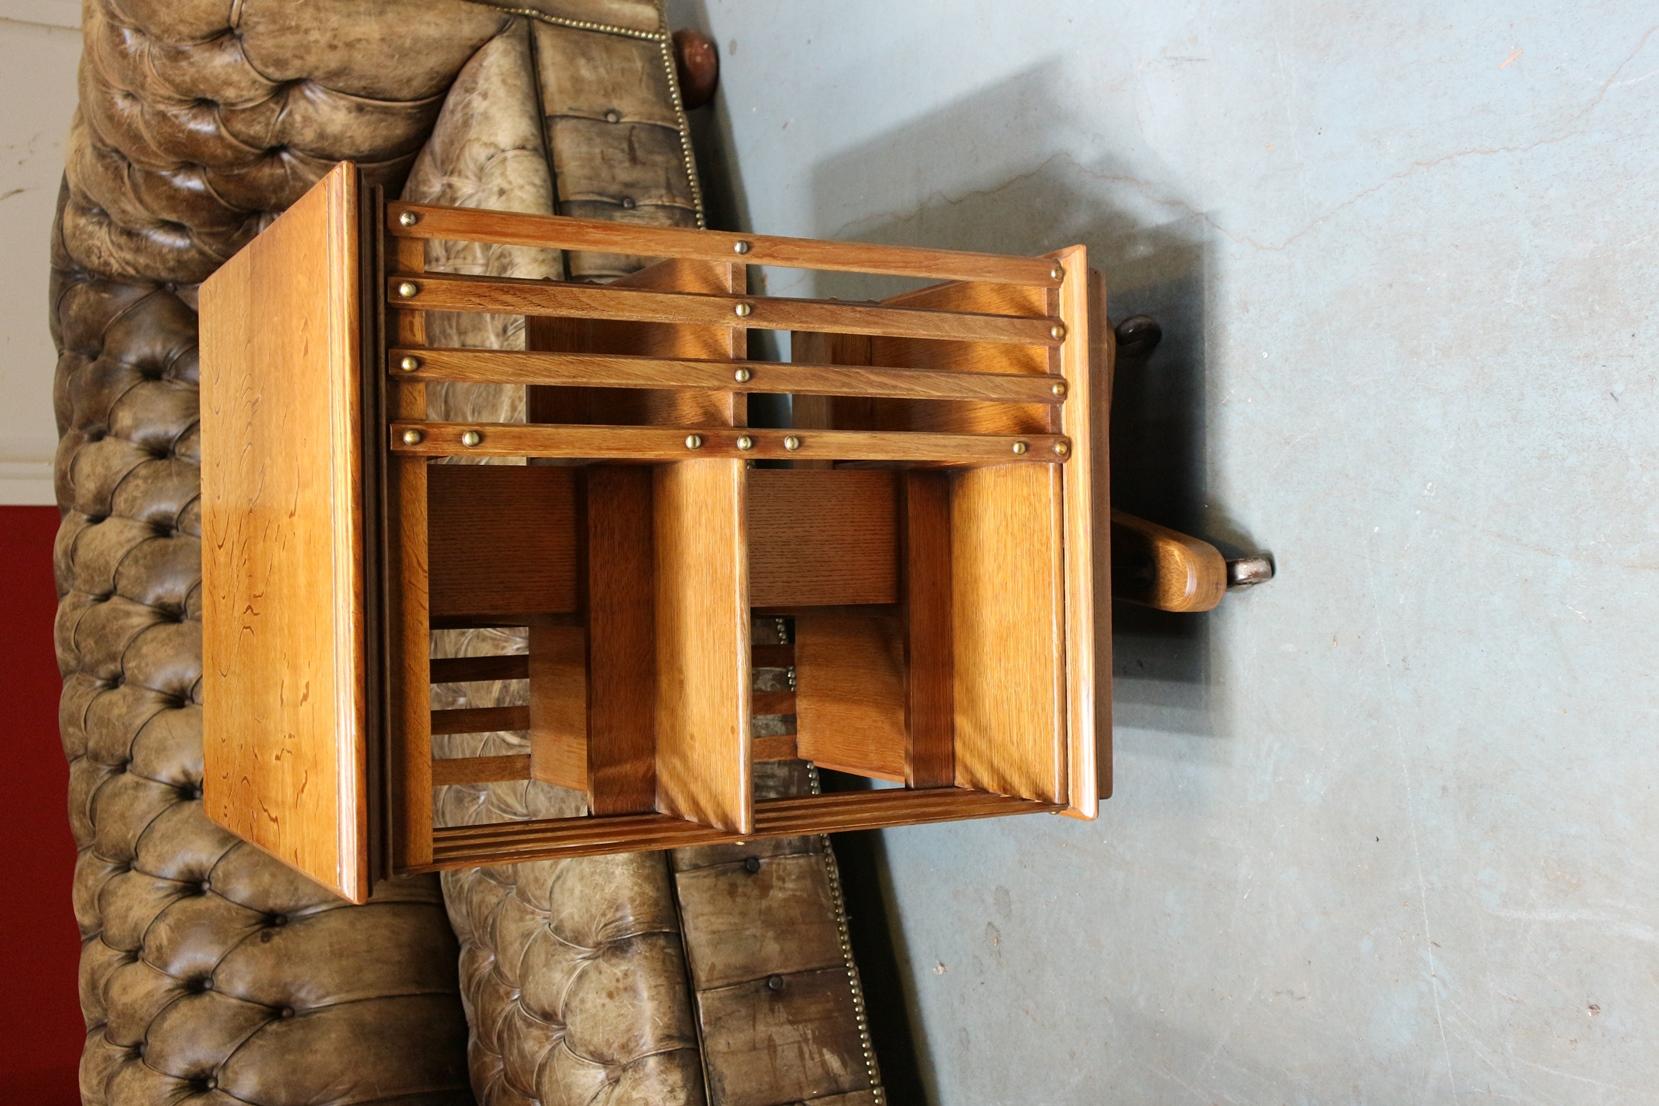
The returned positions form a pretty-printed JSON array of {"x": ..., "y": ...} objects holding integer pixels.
[
  {"x": 1059, "y": 388},
  {"x": 412, "y": 437},
  {"x": 408, "y": 218},
  {"x": 409, "y": 363},
  {"x": 745, "y": 442},
  {"x": 1062, "y": 447},
  {"x": 1057, "y": 331},
  {"x": 407, "y": 289},
  {"x": 792, "y": 443},
  {"x": 742, "y": 376},
  {"x": 740, "y": 247},
  {"x": 694, "y": 441},
  {"x": 743, "y": 310},
  {"x": 1057, "y": 273},
  {"x": 1020, "y": 448},
  {"x": 471, "y": 438}
]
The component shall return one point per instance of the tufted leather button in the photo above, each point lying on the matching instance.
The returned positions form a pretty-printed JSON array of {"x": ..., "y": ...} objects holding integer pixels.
[
  {"x": 613, "y": 116},
  {"x": 204, "y": 886},
  {"x": 628, "y": 202},
  {"x": 751, "y": 864},
  {"x": 774, "y": 983},
  {"x": 119, "y": 768},
  {"x": 276, "y": 921},
  {"x": 199, "y": 985}
]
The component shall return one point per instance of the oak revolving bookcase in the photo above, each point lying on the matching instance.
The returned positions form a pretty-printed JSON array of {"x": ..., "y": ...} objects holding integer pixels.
[{"x": 923, "y": 523}]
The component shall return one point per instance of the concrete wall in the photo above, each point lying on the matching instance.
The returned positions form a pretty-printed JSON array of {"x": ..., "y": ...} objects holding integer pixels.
[
  {"x": 40, "y": 45},
  {"x": 1385, "y": 830}
]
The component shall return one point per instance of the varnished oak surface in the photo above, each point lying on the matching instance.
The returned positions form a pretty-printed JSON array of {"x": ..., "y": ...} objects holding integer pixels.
[{"x": 283, "y": 638}]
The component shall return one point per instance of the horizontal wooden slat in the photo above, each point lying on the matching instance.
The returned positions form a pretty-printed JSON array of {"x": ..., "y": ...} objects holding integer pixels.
[
  {"x": 501, "y": 295},
  {"x": 621, "y": 371},
  {"x": 653, "y": 443},
  {"x": 769, "y": 655},
  {"x": 450, "y": 770},
  {"x": 480, "y": 719},
  {"x": 562, "y": 232},
  {"x": 516, "y": 841},
  {"x": 772, "y": 702},
  {"x": 465, "y": 670},
  {"x": 773, "y": 747}
]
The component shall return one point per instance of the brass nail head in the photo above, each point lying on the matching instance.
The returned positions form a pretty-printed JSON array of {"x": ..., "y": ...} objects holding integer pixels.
[
  {"x": 1057, "y": 273},
  {"x": 409, "y": 364},
  {"x": 407, "y": 289},
  {"x": 1057, "y": 331},
  {"x": 1059, "y": 388},
  {"x": 1020, "y": 448},
  {"x": 745, "y": 442},
  {"x": 792, "y": 443},
  {"x": 1062, "y": 447},
  {"x": 742, "y": 376},
  {"x": 408, "y": 218},
  {"x": 471, "y": 437},
  {"x": 412, "y": 437},
  {"x": 740, "y": 247},
  {"x": 694, "y": 441},
  {"x": 744, "y": 309}
]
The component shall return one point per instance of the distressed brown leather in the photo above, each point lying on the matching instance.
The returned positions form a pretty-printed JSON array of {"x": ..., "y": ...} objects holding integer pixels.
[{"x": 209, "y": 970}]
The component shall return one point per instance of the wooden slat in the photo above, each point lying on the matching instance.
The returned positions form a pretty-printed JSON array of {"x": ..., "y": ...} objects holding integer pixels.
[
  {"x": 622, "y": 371},
  {"x": 469, "y": 670},
  {"x": 622, "y": 660},
  {"x": 650, "y": 443},
  {"x": 502, "y": 295},
  {"x": 822, "y": 537},
  {"x": 511, "y": 842},
  {"x": 770, "y": 654},
  {"x": 563, "y": 232},
  {"x": 850, "y": 692},
  {"x": 929, "y": 759},
  {"x": 702, "y": 642},
  {"x": 772, "y": 702},
  {"x": 451, "y": 770},
  {"x": 775, "y": 747},
  {"x": 502, "y": 540},
  {"x": 480, "y": 719}
]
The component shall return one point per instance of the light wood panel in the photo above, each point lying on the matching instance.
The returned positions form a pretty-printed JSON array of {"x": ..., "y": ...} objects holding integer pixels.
[
  {"x": 702, "y": 641},
  {"x": 1007, "y": 612},
  {"x": 822, "y": 537},
  {"x": 501, "y": 540},
  {"x": 605, "y": 370},
  {"x": 650, "y": 443},
  {"x": 283, "y": 637},
  {"x": 930, "y": 725},
  {"x": 563, "y": 232},
  {"x": 504, "y": 295},
  {"x": 559, "y": 704},
  {"x": 850, "y": 693}
]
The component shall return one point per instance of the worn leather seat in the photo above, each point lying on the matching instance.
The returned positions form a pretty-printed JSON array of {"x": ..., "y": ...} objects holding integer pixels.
[{"x": 210, "y": 971}]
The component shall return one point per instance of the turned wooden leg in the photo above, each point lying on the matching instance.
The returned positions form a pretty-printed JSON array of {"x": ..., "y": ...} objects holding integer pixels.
[{"x": 698, "y": 65}]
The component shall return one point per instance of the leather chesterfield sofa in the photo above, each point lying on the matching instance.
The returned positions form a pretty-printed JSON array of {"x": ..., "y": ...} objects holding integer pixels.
[{"x": 209, "y": 972}]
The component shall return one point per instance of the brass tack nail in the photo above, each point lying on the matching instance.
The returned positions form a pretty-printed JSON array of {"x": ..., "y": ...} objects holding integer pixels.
[
  {"x": 407, "y": 288},
  {"x": 740, "y": 247},
  {"x": 743, "y": 309},
  {"x": 412, "y": 437},
  {"x": 745, "y": 442},
  {"x": 1062, "y": 448},
  {"x": 792, "y": 443},
  {"x": 471, "y": 437},
  {"x": 1020, "y": 447},
  {"x": 408, "y": 218},
  {"x": 1059, "y": 388},
  {"x": 694, "y": 441},
  {"x": 1057, "y": 273},
  {"x": 409, "y": 364},
  {"x": 1057, "y": 331},
  {"x": 742, "y": 376}
]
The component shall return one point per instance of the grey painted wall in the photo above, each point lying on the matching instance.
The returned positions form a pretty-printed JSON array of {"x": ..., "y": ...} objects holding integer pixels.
[{"x": 1384, "y": 829}]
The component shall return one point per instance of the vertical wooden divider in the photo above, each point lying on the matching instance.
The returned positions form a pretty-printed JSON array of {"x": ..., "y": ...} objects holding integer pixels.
[
  {"x": 411, "y": 640},
  {"x": 930, "y": 759},
  {"x": 559, "y": 704},
  {"x": 621, "y": 657}
]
